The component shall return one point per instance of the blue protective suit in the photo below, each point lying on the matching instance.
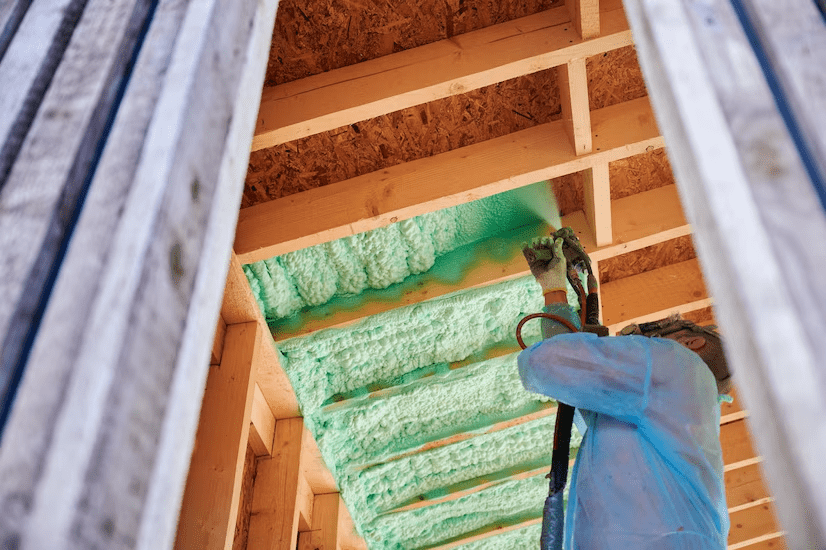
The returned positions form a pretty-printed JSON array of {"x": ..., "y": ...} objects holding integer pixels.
[{"x": 649, "y": 473}]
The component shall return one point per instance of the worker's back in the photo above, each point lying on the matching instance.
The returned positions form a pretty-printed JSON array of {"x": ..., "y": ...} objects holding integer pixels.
[{"x": 649, "y": 473}]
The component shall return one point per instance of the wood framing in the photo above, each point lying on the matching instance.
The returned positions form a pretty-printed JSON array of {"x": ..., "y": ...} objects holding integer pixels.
[
  {"x": 741, "y": 158},
  {"x": 585, "y": 16},
  {"x": 500, "y": 52},
  {"x": 598, "y": 203},
  {"x": 213, "y": 487},
  {"x": 406, "y": 190},
  {"x": 576, "y": 115}
]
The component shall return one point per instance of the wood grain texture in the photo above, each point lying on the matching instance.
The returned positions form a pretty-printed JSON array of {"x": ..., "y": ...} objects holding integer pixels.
[
  {"x": 745, "y": 485},
  {"x": 141, "y": 289},
  {"x": 752, "y": 522},
  {"x": 213, "y": 487},
  {"x": 576, "y": 116},
  {"x": 218, "y": 342},
  {"x": 598, "y": 203},
  {"x": 740, "y": 159},
  {"x": 324, "y": 534},
  {"x": 61, "y": 87},
  {"x": 400, "y": 192},
  {"x": 585, "y": 16},
  {"x": 390, "y": 83},
  {"x": 261, "y": 425},
  {"x": 274, "y": 520},
  {"x": 242, "y": 525}
]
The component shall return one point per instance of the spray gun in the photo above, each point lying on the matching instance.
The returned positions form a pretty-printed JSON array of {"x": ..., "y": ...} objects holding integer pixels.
[{"x": 577, "y": 261}]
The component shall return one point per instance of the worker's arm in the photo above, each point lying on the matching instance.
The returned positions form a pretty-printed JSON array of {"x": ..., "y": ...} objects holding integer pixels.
[
  {"x": 605, "y": 375},
  {"x": 547, "y": 263}
]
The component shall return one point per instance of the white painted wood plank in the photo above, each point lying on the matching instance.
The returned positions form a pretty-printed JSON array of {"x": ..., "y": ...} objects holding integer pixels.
[
  {"x": 755, "y": 216},
  {"x": 122, "y": 404}
]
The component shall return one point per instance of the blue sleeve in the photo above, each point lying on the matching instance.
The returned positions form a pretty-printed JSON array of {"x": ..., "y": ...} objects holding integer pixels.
[{"x": 606, "y": 375}]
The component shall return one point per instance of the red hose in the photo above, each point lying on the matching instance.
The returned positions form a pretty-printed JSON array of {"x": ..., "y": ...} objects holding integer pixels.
[{"x": 527, "y": 318}]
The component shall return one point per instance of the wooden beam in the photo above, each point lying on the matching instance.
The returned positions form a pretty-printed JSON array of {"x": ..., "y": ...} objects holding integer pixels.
[
  {"x": 406, "y": 190},
  {"x": 745, "y": 485},
  {"x": 770, "y": 541},
  {"x": 654, "y": 294},
  {"x": 274, "y": 519},
  {"x": 449, "y": 67},
  {"x": 218, "y": 342},
  {"x": 744, "y": 183},
  {"x": 116, "y": 369},
  {"x": 576, "y": 115},
  {"x": 239, "y": 306},
  {"x": 262, "y": 425},
  {"x": 585, "y": 16},
  {"x": 325, "y": 534},
  {"x": 304, "y": 502},
  {"x": 597, "y": 191},
  {"x": 639, "y": 221},
  {"x": 213, "y": 487}
]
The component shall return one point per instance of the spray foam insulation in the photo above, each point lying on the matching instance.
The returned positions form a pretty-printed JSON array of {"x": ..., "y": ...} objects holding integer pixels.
[{"x": 438, "y": 388}]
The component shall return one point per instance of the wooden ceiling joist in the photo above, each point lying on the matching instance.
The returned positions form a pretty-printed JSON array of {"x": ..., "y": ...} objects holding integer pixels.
[
  {"x": 406, "y": 190},
  {"x": 449, "y": 67}
]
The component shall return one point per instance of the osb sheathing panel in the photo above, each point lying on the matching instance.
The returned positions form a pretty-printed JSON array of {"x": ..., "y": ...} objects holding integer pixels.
[
  {"x": 666, "y": 253},
  {"x": 702, "y": 317},
  {"x": 315, "y": 36},
  {"x": 614, "y": 77},
  {"x": 242, "y": 524},
  {"x": 402, "y": 136},
  {"x": 639, "y": 173},
  {"x": 569, "y": 192}
]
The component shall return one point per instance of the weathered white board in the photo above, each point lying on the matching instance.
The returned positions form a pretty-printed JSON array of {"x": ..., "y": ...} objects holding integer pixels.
[
  {"x": 759, "y": 229},
  {"x": 96, "y": 449}
]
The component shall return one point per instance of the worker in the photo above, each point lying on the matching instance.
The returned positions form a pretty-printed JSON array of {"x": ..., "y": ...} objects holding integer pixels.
[{"x": 649, "y": 472}]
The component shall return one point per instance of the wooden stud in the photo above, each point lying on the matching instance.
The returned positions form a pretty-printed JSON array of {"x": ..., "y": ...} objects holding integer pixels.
[
  {"x": 274, "y": 519},
  {"x": 218, "y": 342},
  {"x": 305, "y": 500},
  {"x": 576, "y": 115},
  {"x": 325, "y": 533},
  {"x": 453, "y": 66},
  {"x": 585, "y": 16},
  {"x": 597, "y": 193},
  {"x": 262, "y": 425},
  {"x": 210, "y": 504},
  {"x": 406, "y": 190}
]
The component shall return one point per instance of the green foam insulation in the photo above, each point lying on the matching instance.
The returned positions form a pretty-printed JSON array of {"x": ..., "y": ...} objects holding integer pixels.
[
  {"x": 376, "y": 259},
  {"x": 374, "y": 392}
]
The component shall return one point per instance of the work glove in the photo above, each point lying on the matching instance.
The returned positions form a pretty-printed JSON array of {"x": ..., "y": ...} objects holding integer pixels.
[{"x": 547, "y": 263}]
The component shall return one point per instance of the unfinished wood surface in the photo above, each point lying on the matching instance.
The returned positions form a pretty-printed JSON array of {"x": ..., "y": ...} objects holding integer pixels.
[
  {"x": 60, "y": 77},
  {"x": 403, "y": 191},
  {"x": 639, "y": 221},
  {"x": 261, "y": 425},
  {"x": 304, "y": 502},
  {"x": 647, "y": 259},
  {"x": 644, "y": 172},
  {"x": 598, "y": 203},
  {"x": 274, "y": 520},
  {"x": 772, "y": 541},
  {"x": 744, "y": 486},
  {"x": 752, "y": 522},
  {"x": 242, "y": 524},
  {"x": 239, "y": 306},
  {"x": 573, "y": 88},
  {"x": 218, "y": 342},
  {"x": 585, "y": 16},
  {"x": 213, "y": 486},
  {"x": 657, "y": 292},
  {"x": 139, "y": 278},
  {"x": 741, "y": 159},
  {"x": 480, "y": 58},
  {"x": 325, "y": 534},
  {"x": 738, "y": 445}
]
